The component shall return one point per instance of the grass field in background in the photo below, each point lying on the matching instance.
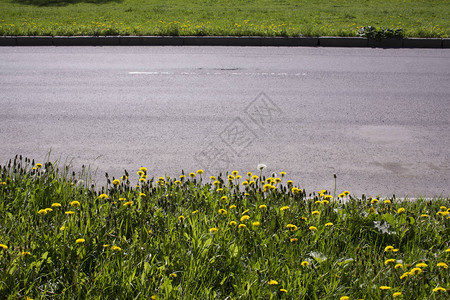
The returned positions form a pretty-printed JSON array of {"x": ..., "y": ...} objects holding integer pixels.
[
  {"x": 237, "y": 236},
  {"x": 418, "y": 18}
]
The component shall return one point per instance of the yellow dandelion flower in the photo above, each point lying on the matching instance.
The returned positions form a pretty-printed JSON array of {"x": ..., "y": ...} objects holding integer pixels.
[
  {"x": 143, "y": 169},
  {"x": 212, "y": 177},
  {"x": 344, "y": 298},
  {"x": 245, "y": 182},
  {"x": 401, "y": 210},
  {"x": 389, "y": 261},
  {"x": 312, "y": 228},
  {"x": 140, "y": 173},
  {"x": 384, "y": 287},
  {"x": 74, "y": 203},
  {"x": 124, "y": 177},
  {"x": 241, "y": 226},
  {"x": 305, "y": 263},
  {"x": 180, "y": 218},
  {"x": 129, "y": 203},
  {"x": 182, "y": 177},
  {"x": 398, "y": 266},
  {"x": 42, "y": 212},
  {"x": 62, "y": 228},
  {"x": 213, "y": 230},
  {"x": 443, "y": 213},
  {"x": 173, "y": 275},
  {"x": 38, "y": 165},
  {"x": 105, "y": 245},
  {"x": 283, "y": 290},
  {"x": 424, "y": 216},
  {"x": 329, "y": 224},
  {"x": 56, "y": 205},
  {"x": 439, "y": 289},
  {"x": 200, "y": 171},
  {"x": 249, "y": 174},
  {"x": 103, "y": 196},
  {"x": 116, "y": 182},
  {"x": 49, "y": 209},
  {"x": 233, "y": 223},
  {"x": 25, "y": 253},
  {"x": 141, "y": 179},
  {"x": 415, "y": 271},
  {"x": 406, "y": 274},
  {"x": 442, "y": 265},
  {"x": 115, "y": 248},
  {"x": 325, "y": 201},
  {"x": 256, "y": 224},
  {"x": 222, "y": 211},
  {"x": 3, "y": 246},
  {"x": 387, "y": 201},
  {"x": 293, "y": 240},
  {"x": 263, "y": 206},
  {"x": 315, "y": 213},
  {"x": 292, "y": 227},
  {"x": 245, "y": 218},
  {"x": 273, "y": 282},
  {"x": 421, "y": 265},
  {"x": 346, "y": 193},
  {"x": 224, "y": 198},
  {"x": 284, "y": 208},
  {"x": 254, "y": 177},
  {"x": 80, "y": 241},
  {"x": 397, "y": 294},
  {"x": 318, "y": 202},
  {"x": 232, "y": 206},
  {"x": 290, "y": 182},
  {"x": 327, "y": 197},
  {"x": 374, "y": 201},
  {"x": 388, "y": 248}
]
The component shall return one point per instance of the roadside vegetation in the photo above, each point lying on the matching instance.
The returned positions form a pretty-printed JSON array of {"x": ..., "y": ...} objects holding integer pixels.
[
  {"x": 414, "y": 18},
  {"x": 236, "y": 236}
]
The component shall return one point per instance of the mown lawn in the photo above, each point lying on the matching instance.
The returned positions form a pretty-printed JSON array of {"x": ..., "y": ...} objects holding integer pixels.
[
  {"x": 237, "y": 236},
  {"x": 418, "y": 18}
]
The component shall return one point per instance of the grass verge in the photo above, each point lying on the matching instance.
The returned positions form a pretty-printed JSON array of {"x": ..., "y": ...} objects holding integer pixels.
[
  {"x": 417, "y": 18},
  {"x": 229, "y": 237}
]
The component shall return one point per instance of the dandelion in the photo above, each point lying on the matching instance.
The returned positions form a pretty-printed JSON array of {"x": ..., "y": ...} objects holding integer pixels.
[
  {"x": 116, "y": 182},
  {"x": 173, "y": 275},
  {"x": 42, "y": 212},
  {"x": 415, "y": 271},
  {"x": 283, "y": 290},
  {"x": 424, "y": 216},
  {"x": 400, "y": 210},
  {"x": 245, "y": 218},
  {"x": 421, "y": 265},
  {"x": 290, "y": 182},
  {"x": 233, "y": 223},
  {"x": 182, "y": 177},
  {"x": 249, "y": 174},
  {"x": 254, "y": 177},
  {"x": 344, "y": 298},
  {"x": 389, "y": 248},
  {"x": 124, "y": 177},
  {"x": 129, "y": 203},
  {"x": 384, "y": 287},
  {"x": 283, "y": 174},
  {"x": 74, "y": 203},
  {"x": 389, "y": 261},
  {"x": 325, "y": 202},
  {"x": 241, "y": 226},
  {"x": 56, "y": 205},
  {"x": 329, "y": 224},
  {"x": 284, "y": 208},
  {"x": 398, "y": 266},
  {"x": 273, "y": 282},
  {"x": 25, "y": 253},
  {"x": 439, "y": 289},
  {"x": 222, "y": 211},
  {"x": 315, "y": 213},
  {"x": 140, "y": 173},
  {"x": 372, "y": 210},
  {"x": 143, "y": 169},
  {"x": 292, "y": 227},
  {"x": 387, "y": 201},
  {"x": 406, "y": 274},
  {"x": 443, "y": 208},
  {"x": 235, "y": 173},
  {"x": 397, "y": 294},
  {"x": 232, "y": 206},
  {"x": 305, "y": 263},
  {"x": 261, "y": 167},
  {"x": 374, "y": 201},
  {"x": 38, "y": 165},
  {"x": 293, "y": 240},
  {"x": 213, "y": 230},
  {"x": 442, "y": 265},
  {"x": 443, "y": 213},
  {"x": 346, "y": 193},
  {"x": 447, "y": 250},
  {"x": 180, "y": 218},
  {"x": 62, "y": 228},
  {"x": 192, "y": 175},
  {"x": 245, "y": 183},
  {"x": 3, "y": 246},
  {"x": 80, "y": 241},
  {"x": 49, "y": 209},
  {"x": 142, "y": 195},
  {"x": 224, "y": 198},
  {"x": 116, "y": 248},
  {"x": 200, "y": 172},
  {"x": 256, "y": 224},
  {"x": 212, "y": 177},
  {"x": 263, "y": 206},
  {"x": 103, "y": 196},
  {"x": 312, "y": 228},
  {"x": 327, "y": 197},
  {"x": 105, "y": 245},
  {"x": 245, "y": 211},
  {"x": 141, "y": 179}
]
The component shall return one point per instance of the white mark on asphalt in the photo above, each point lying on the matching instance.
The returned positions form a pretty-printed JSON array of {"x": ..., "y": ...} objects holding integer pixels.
[{"x": 219, "y": 73}]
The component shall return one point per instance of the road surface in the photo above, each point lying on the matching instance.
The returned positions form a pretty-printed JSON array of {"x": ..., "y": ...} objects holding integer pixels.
[{"x": 378, "y": 118}]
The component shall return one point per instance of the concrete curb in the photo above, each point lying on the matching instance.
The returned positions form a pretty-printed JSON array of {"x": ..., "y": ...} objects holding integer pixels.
[{"x": 325, "y": 41}]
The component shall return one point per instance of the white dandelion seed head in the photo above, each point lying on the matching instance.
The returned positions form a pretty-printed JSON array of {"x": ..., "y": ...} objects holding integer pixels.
[{"x": 261, "y": 166}]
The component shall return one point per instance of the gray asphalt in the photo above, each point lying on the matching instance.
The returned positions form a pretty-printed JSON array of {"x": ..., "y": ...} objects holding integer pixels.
[{"x": 378, "y": 118}]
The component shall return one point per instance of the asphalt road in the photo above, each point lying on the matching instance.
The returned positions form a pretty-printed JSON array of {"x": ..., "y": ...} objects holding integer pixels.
[{"x": 378, "y": 118}]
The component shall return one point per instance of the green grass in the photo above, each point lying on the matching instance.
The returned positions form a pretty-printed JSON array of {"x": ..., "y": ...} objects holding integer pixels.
[
  {"x": 179, "y": 238},
  {"x": 418, "y": 18}
]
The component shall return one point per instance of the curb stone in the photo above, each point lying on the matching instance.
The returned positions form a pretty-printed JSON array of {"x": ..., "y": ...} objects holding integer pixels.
[{"x": 325, "y": 41}]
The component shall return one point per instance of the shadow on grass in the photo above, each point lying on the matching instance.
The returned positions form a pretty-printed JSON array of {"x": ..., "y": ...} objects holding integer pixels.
[{"x": 62, "y": 2}]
